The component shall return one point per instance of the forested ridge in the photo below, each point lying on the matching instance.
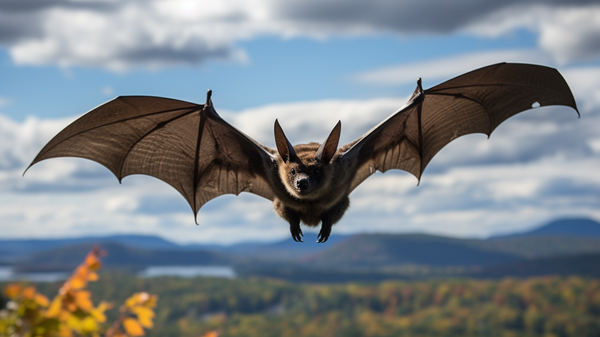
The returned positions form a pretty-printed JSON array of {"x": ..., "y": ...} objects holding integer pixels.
[{"x": 547, "y": 306}]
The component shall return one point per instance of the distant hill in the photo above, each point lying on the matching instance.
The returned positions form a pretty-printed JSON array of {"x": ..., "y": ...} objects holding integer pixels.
[
  {"x": 582, "y": 265},
  {"x": 380, "y": 250},
  {"x": 354, "y": 257},
  {"x": 541, "y": 246},
  {"x": 282, "y": 250},
  {"x": 11, "y": 250},
  {"x": 120, "y": 256},
  {"x": 579, "y": 227}
]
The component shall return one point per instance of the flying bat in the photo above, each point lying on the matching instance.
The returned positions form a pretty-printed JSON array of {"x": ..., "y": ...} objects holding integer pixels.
[{"x": 190, "y": 147}]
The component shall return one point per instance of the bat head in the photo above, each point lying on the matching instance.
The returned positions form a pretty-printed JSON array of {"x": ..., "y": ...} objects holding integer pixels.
[{"x": 305, "y": 170}]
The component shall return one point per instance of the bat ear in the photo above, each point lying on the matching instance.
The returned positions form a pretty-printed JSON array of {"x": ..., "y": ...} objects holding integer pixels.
[
  {"x": 284, "y": 147},
  {"x": 328, "y": 149}
]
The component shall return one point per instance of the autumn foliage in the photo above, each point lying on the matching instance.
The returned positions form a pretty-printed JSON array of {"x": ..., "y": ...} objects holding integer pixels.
[{"x": 72, "y": 312}]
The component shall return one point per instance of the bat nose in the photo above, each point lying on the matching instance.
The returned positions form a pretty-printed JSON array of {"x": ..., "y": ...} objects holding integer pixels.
[{"x": 302, "y": 183}]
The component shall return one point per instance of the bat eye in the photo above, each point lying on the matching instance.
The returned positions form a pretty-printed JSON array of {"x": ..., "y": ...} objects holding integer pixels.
[
  {"x": 293, "y": 171},
  {"x": 317, "y": 172}
]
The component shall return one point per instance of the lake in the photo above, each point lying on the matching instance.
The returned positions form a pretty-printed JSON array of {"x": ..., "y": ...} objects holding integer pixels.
[{"x": 7, "y": 274}]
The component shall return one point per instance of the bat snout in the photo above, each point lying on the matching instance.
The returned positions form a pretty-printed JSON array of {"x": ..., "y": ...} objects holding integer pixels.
[{"x": 304, "y": 185}]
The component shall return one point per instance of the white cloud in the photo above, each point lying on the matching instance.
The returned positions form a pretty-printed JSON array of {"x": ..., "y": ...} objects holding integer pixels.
[
  {"x": 119, "y": 35},
  {"x": 569, "y": 33},
  {"x": 479, "y": 200},
  {"x": 445, "y": 68},
  {"x": 585, "y": 84}
]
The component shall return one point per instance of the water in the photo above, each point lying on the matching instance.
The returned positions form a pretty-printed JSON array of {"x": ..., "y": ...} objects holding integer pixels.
[
  {"x": 7, "y": 274},
  {"x": 189, "y": 271}
]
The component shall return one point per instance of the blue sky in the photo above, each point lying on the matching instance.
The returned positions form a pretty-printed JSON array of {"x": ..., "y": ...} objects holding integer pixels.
[{"x": 309, "y": 64}]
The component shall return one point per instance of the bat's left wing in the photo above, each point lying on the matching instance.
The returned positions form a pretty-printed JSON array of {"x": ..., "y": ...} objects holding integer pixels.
[
  {"x": 187, "y": 145},
  {"x": 475, "y": 102}
]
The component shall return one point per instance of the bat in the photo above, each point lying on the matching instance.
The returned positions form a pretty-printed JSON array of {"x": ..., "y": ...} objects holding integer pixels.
[{"x": 190, "y": 147}]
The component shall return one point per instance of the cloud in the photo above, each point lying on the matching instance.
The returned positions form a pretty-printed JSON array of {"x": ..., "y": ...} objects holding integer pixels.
[
  {"x": 568, "y": 33},
  {"x": 446, "y": 68},
  {"x": 479, "y": 200},
  {"x": 119, "y": 35}
]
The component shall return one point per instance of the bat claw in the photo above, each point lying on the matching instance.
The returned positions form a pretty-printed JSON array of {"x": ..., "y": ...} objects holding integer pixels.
[
  {"x": 297, "y": 234},
  {"x": 324, "y": 234}
]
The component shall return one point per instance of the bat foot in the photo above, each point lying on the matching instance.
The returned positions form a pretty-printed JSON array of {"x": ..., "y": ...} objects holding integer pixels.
[
  {"x": 324, "y": 234},
  {"x": 296, "y": 233}
]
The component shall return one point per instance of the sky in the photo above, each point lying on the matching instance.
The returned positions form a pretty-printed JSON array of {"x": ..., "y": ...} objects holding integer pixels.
[{"x": 308, "y": 64}]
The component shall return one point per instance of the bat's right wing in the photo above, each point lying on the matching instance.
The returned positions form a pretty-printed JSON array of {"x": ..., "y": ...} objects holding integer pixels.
[
  {"x": 475, "y": 102},
  {"x": 187, "y": 145}
]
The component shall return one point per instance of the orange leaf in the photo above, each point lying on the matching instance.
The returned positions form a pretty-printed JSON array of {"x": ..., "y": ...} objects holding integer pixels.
[
  {"x": 12, "y": 290},
  {"x": 211, "y": 334},
  {"x": 28, "y": 293},
  {"x": 132, "y": 327},
  {"x": 118, "y": 333},
  {"x": 92, "y": 261},
  {"x": 82, "y": 298},
  {"x": 71, "y": 307},
  {"x": 78, "y": 282},
  {"x": 92, "y": 276}
]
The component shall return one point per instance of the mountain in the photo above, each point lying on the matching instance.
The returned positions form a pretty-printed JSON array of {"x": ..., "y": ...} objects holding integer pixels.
[
  {"x": 119, "y": 256},
  {"x": 282, "y": 250},
  {"x": 541, "y": 246},
  {"x": 355, "y": 257},
  {"x": 13, "y": 250},
  {"x": 579, "y": 227},
  {"x": 583, "y": 265},
  {"x": 384, "y": 250}
]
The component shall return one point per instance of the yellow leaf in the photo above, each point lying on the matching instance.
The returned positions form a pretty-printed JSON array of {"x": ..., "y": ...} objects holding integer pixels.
[
  {"x": 132, "y": 327},
  {"x": 151, "y": 301},
  {"x": 88, "y": 325},
  {"x": 12, "y": 290},
  {"x": 41, "y": 300},
  {"x": 98, "y": 313},
  {"x": 144, "y": 315},
  {"x": 54, "y": 309},
  {"x": 131, "y": 301}
]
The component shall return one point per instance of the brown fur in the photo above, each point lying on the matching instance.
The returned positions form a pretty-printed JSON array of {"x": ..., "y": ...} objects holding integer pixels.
[
  {"x": 329, "y": 198},
  {"x": 325, "y": 197}
]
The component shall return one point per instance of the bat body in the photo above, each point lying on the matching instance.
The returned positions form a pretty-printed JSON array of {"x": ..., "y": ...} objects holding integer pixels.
[{"x": 193, "y": 149}]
